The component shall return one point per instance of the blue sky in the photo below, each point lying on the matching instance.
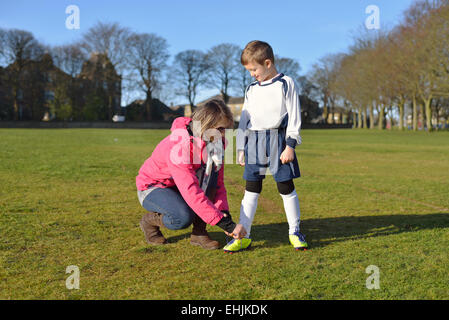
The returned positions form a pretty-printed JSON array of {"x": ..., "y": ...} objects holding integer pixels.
[{"x": 300, "y": 29}]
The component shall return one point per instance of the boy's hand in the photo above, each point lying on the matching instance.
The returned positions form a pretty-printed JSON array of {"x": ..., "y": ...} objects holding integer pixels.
[
  {"x": 241, "y": 158},
  {"x": 288, "y": 155}
]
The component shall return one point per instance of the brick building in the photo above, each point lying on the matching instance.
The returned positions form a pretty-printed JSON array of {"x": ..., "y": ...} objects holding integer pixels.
[{"x": 38, "y": 90}]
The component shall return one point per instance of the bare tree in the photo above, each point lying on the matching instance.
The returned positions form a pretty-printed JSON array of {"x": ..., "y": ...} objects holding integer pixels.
[
  {"x": 323, "y": 76},
  {"x": 389, "y": 69},
  {"x": 244, "y": 79},
  {"x": 2, "y": 46},
  {"x": 147, "y": 58},
  {"x": 287, "y": 66},
  {"x": 306, "y": 87},
  {"x": 18, "y": 49},
  {"x": 109, "y": 39},
  {"x": 366, "y": 76},
  {"x": 426, "y": 40},
  {"x": 69, "y": 58},
  {"x": 347, "y": 80},
  {"x": 190, "y": 68},
  {"x": 224, "y": 62},
  {"x": 112, "y": 41},
  {"x": 317, "y": 77}
]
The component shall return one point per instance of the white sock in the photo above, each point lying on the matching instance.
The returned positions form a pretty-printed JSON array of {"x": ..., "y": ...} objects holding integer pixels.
[
  {"x": 248, "y": 210},
  {"x": 292, "y": 211}
]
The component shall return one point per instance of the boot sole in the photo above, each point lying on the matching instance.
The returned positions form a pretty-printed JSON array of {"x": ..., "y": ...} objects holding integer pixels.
[
  {"x": 241, "y": 250},
  {"x": 207, "y": 248}
]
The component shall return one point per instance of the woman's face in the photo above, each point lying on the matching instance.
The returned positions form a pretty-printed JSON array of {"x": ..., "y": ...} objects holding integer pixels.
[
  {"x": 219, "y": 128},
  {"x": 222, "y": 126}
]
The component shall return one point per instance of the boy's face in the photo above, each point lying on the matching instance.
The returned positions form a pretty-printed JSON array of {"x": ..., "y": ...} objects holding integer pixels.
[{"x": 258, "y": 71}]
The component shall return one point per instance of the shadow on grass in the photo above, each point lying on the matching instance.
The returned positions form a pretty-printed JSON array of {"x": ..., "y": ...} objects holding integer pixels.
[{"x": 322, "y": 232}]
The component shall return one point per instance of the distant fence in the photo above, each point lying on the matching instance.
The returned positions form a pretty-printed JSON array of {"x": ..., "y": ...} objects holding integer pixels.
[
  {"x": 326, "y": 126},
  {"x": 126, "y": 125},
  {"x": 85, "y": 124}
]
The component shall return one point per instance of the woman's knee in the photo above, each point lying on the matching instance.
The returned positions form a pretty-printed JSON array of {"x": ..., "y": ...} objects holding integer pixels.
[
  {"x": 182, "y": 220},
  {"x": 176, "y": 213}
]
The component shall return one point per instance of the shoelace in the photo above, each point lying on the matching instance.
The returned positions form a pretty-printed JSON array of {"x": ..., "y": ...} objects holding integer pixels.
[
  {"x": 232, "y": 241},
  {"x": 229, "y": 240},
  {"x": 301, "y": 237}
]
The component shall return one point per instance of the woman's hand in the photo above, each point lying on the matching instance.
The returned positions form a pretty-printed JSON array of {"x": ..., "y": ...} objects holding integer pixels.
[
  {"x": 238, "y": 233},
  {"x": 288, "y": 155}
]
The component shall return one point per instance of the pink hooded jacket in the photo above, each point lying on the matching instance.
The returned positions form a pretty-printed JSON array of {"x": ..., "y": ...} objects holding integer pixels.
[{"x": 174, "y": 161}]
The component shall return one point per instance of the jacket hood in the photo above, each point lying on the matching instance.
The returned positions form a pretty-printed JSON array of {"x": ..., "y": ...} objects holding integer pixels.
[{"x": 180, "y": 123}]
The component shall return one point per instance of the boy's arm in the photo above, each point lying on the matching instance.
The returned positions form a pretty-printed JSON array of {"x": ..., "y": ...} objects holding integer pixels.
[{"x": 293, "y": 106}]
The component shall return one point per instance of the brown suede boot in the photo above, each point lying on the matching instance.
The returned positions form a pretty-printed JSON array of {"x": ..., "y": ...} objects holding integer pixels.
[
  {"x": 200, "y": 237},
  {"x": 150, "y": 225}
]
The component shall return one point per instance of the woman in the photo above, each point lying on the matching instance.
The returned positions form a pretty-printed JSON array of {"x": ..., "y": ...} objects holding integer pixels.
[{"x": 182, "y": 182}]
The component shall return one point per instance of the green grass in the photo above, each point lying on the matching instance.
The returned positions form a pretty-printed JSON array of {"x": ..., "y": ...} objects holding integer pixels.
[{"x": 67, "y": 197}]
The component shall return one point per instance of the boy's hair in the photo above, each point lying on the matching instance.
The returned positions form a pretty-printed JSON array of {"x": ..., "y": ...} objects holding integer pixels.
[
  {"x": 211, "y": 114},
  {"x": 257, "y": 51}
]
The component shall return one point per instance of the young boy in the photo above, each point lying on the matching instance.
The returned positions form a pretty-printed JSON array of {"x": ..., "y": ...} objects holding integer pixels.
[{"x": 267, "y": 136}]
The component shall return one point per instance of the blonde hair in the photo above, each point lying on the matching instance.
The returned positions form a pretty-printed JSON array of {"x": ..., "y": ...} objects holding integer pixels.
[
  {"x": 257, "y": 51},
  {"x": 211, "y": 114}
]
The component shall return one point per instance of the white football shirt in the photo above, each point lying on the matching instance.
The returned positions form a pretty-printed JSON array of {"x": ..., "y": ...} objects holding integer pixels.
[{"x": 266, "y": 105}]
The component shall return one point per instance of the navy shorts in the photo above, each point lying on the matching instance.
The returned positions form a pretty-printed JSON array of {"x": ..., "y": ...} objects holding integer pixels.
[{"x": 262, "y": 156}]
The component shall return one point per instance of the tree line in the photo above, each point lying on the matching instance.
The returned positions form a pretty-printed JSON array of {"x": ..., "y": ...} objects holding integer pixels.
[
  {"x": 387, "y": 74},
  {"x": 399, "y": 75},
  {"x": 141, "y": 60}
]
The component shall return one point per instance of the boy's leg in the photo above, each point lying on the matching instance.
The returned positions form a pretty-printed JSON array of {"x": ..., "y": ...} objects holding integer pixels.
[
  {"x": 253, "y": 182},
  {"x": 293, "y": 213},
  {"x": 247, "y": 211},
  {"x": 291, "y": 205},
  {"x": 249, "y": 204},
  {"x": 252, "y": 175}
]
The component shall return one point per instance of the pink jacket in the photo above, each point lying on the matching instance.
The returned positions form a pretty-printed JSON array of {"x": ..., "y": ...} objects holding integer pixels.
[{"x": 174, "y": 161}]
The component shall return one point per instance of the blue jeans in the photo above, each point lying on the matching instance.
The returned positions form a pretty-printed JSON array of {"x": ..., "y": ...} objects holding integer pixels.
[{"x": 176, "y": 212}]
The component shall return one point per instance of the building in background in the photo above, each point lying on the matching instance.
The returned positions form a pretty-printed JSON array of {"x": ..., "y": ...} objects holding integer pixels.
[
  {"x": 38, "y": 90},
  {"x": 235, "y": 104},
  {"x": 99, "y": 79},
  {"x": 135, "y": 111}
]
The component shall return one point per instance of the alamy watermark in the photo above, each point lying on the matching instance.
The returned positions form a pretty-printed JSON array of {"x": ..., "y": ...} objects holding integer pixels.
[
  {"x": 258, "y": 149},
  {"x": 372, "y": 22},
  {"x": 72, "y": 281},
  {"x": 72, "y": 22},
  {"x": 373, "y": 281}
]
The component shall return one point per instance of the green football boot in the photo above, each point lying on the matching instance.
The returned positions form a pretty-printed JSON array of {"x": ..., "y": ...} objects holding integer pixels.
[
  {"x": 298, "y": 241},
  {"x": 237, "y": 245}
]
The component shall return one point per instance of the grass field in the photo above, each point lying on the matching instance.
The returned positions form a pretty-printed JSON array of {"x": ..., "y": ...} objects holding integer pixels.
[{"x": 67, "y": 197}]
